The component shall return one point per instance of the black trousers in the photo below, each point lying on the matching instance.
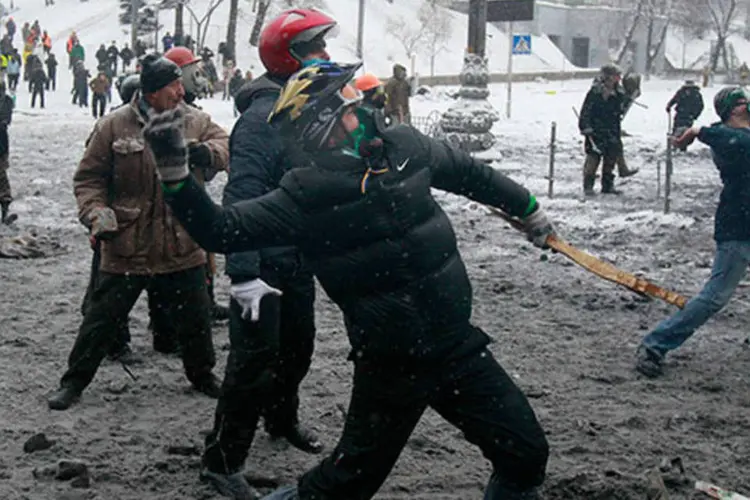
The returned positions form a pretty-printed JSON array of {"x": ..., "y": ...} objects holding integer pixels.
[
  {"x": 37, "y": 91},
  {"x": 122, "y": 332},
  {"x": 98, "y": 105},
  {"x": 109, "y": 306},
  {"x": 51, "y": 81},
  {"x": 267, "y": 361},
  {"x": 13, "y": 82},
  {"x": 473, "y": 393}
]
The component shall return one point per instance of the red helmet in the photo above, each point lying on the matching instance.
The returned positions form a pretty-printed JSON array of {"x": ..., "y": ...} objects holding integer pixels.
[
  {"x": 181, "y": 56},
  {"x": 295, "y": 26}
]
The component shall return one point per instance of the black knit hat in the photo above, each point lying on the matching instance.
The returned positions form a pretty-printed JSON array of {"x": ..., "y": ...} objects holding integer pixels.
[{"x": 157, "y": 72}]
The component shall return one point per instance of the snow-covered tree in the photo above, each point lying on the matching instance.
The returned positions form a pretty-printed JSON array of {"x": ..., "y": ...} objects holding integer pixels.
[{"x": 437, "y": 29}]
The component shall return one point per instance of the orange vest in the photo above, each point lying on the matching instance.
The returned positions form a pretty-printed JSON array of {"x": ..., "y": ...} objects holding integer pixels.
[{"x": 47, "y": 41}]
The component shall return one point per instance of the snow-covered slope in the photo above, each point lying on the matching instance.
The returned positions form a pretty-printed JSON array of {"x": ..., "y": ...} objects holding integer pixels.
[{"x": 97, "y": 22}]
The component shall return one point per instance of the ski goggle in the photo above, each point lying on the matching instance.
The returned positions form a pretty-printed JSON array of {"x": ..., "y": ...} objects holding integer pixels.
[{"x": 736, "y": 98}]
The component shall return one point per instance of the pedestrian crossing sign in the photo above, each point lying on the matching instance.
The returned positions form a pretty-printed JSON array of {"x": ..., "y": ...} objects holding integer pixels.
[{"x": 521, "y": 45}]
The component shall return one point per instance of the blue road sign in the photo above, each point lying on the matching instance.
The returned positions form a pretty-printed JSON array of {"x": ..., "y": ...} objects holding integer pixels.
[{"x": 521, "y": 45}]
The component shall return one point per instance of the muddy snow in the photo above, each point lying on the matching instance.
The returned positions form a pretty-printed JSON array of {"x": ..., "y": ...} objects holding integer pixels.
[{"x": 567, "y": 337}]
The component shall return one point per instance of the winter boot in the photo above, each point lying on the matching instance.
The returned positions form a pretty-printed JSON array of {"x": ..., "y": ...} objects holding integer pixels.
[
  {"x": 588, "y": 185},
  {"x": 63, "y": 398},
  {"x": 7, "y": 217},
  {"x": 498, "y": 489},
  {"x": 648, "y": 362},
  {"x": 608, "y": 185},
  {"x": 233, "y": 486}
]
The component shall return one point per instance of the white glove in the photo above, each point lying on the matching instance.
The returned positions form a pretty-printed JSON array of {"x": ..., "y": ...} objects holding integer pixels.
[
  {"x": 538, "y": 227},
  {"x": 249, "y": 294}
]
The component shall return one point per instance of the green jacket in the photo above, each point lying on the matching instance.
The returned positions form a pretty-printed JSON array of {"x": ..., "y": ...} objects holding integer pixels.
[{"x": 78, "y": 52}]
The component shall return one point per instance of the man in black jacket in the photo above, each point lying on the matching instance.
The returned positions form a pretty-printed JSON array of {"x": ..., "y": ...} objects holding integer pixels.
[
  {"x": 601, "y": 114},
  {"x": 271, "y": 334},
  {"x": 362, "y": 213},
  {"x": 689, "y": 103}
]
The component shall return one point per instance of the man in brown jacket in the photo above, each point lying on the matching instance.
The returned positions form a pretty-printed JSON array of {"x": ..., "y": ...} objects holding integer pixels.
[
  {"x": 398, "y": 92},
  {"x": 142, "y": 245},
  {"x": 100, "y": 87}
]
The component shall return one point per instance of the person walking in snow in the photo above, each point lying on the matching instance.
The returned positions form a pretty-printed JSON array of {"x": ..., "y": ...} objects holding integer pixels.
[
  {"x": 100, "y": 88},
  {"x": 113, "y": 53},
  {"x": 398, "y": 91},
  {"x": 689, "y": 103},
  {"x": 51, "y": 63},
  {"x": 14, "y": 70},
  {"x": 81, "y": 85},
  {"x": 167, "y": 42},
  {"x": 729, "y": 141},
  {"x": 6, "y": 116},
  {"x": 10, "y": 26},
  {"x": 600, "y": 124},
  {"x": 37, "y": 81},
  {"x": 126, "y": 54}
]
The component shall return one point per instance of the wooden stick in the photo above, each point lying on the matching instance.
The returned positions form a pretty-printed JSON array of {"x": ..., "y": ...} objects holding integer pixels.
[{"x": 601, "y": 268}]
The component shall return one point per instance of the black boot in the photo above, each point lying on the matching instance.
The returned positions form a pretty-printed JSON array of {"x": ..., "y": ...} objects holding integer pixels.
[
  {"x": 233, "y": 486},
  {"x": 498, "y": 489},
  {"x": 608, "y": 185},
  {"x": 209, "y": 385},
  {"x": 588, "y": 185},
  {"x": 63, "y": 398},
  {"x": 7, "y": 217}
]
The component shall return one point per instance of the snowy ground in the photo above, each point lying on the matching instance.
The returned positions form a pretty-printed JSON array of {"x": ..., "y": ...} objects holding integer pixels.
[{"x": 567, "y": 337}]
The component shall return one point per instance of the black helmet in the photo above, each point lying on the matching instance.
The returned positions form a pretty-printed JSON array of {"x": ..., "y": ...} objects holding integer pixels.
[
  {"x": 312, "y": 101},
  {"x": 127, "y": 85},
  {"x": 726, "y": 99}
]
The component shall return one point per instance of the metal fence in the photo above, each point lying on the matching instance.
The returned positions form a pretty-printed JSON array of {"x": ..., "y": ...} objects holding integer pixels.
[{"x": 428, "y": 125}]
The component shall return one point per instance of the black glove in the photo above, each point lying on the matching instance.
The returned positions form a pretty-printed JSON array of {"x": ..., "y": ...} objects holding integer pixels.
[
  {"x": 164, "y": 135},
  {"x": 200, "y": 156}
]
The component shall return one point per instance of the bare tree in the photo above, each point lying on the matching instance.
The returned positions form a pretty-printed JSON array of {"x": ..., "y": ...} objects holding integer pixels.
[
  {"x": 203, "y": 22},
  {"x": 410, "y": 36},
  {"x": 260, "y": 20},
  {"x": 630, "y": 33},
  {"x": 179, "y": 24},
  {"x": 437, "y": 28},
  {"x": 722, "y": 14},
  {"x": 232, "y": 30},
  {"x": 658, "y": 15}
]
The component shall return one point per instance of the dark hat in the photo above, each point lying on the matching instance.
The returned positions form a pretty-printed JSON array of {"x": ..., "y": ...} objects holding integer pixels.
[
  {"x": 157, "y": 72},
  {"x": 610, "y": 69}
]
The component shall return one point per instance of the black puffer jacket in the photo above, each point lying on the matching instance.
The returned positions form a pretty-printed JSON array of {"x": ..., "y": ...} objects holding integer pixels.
[
  {"x": 388, "y": 256},
  {"x": 257, "y": 164}
]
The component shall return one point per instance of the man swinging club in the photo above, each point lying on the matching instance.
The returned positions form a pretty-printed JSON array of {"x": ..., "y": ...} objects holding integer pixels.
[{"x": 360, "y": 208}]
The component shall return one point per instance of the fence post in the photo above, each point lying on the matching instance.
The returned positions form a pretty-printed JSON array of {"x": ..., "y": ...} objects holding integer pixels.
[
  {"x": 668, "y": 176},
  {"x": 551, "y": 178},
  {"x": 658, "y": 179}
]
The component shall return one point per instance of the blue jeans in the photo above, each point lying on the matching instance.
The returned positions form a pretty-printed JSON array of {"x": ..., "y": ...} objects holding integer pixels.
[{"x": 730, "y": 265}]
